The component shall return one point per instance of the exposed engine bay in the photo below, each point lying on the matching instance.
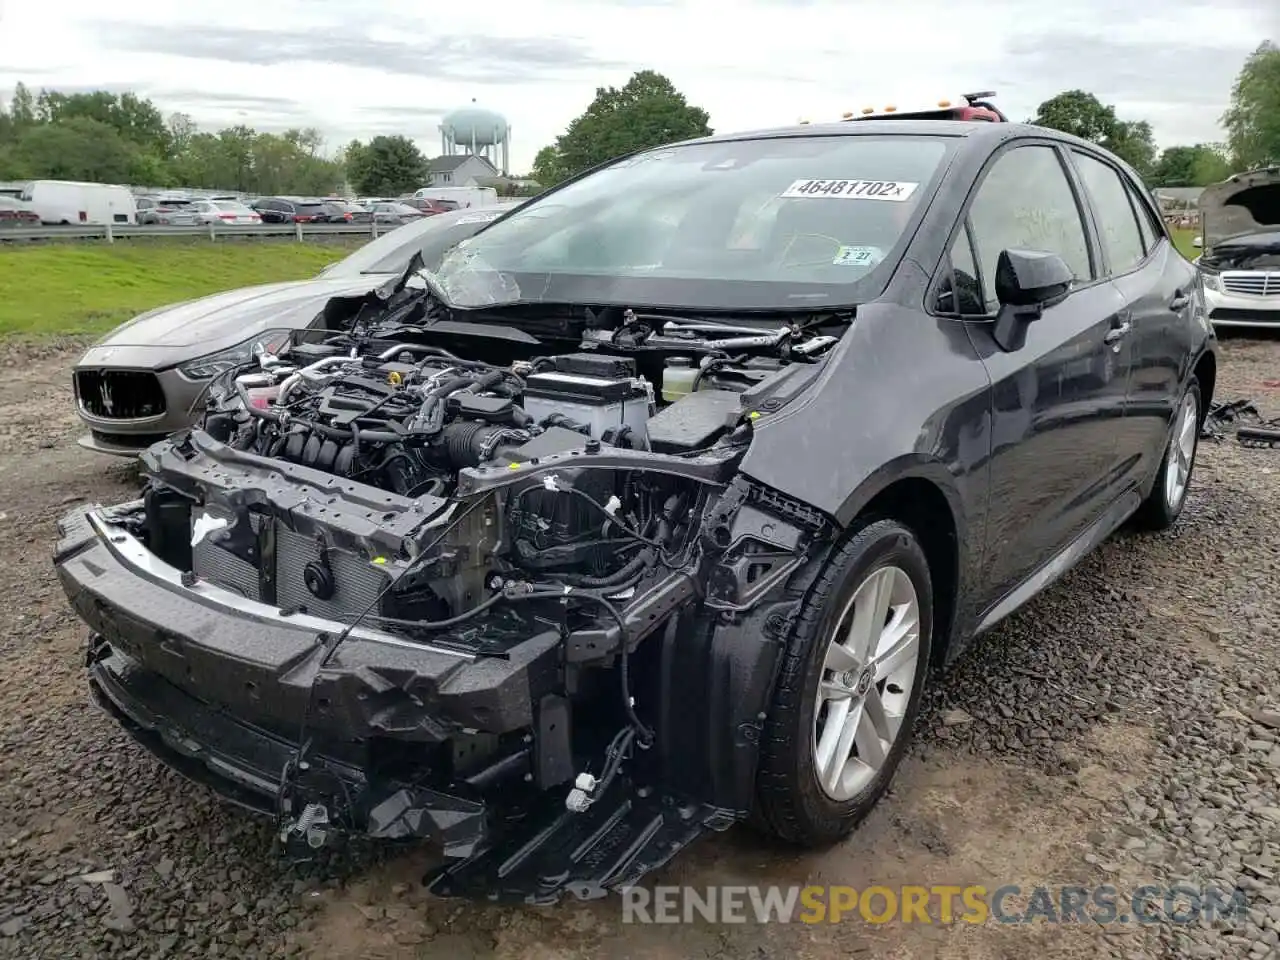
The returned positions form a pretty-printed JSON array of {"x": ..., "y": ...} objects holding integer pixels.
[{"x": 450, "y": 544}]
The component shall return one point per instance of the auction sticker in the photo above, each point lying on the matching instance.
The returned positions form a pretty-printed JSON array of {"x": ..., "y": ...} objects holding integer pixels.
[
  {"x": 896, "y": 190},
  {"x": 858, "y": 256}
]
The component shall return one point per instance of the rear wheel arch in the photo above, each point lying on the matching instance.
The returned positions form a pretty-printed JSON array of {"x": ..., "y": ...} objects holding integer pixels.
[{"x": 1206, "y": 372}]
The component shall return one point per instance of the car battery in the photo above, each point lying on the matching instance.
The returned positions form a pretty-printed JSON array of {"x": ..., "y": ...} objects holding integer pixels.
[{"x": 599, "y": 397}]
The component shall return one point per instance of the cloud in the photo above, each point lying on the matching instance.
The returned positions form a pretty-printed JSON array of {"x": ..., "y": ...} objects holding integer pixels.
[
  {"x": 238, "y": 101},
  {"x": 396, "y": 66},
  {"x": 470, "y": 58}
]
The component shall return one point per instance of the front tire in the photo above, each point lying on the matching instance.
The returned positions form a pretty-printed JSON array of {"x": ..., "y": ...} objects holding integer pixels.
[
  {"x": 1164, "y": 503},
  {"x": 849, "y": 688}
]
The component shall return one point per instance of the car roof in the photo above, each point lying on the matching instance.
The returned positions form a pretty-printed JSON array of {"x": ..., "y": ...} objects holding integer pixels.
[{"x": 971, "y": 130}]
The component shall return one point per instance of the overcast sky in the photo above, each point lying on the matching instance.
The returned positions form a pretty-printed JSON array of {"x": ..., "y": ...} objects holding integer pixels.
[{"x": 355, "y": 68}]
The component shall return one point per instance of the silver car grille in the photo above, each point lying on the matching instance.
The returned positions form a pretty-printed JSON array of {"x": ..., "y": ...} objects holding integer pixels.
[
  {"x": 358, "y": 582},
  {"x": 1254, "y": 283}
]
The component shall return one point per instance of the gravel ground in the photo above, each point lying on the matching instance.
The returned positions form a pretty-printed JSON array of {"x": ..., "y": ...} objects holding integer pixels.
[{"x": 1121, "y": 730}]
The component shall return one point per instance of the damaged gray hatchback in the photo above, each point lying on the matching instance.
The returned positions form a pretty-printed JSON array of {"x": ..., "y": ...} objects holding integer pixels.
[{"x": 651, "y": 509}]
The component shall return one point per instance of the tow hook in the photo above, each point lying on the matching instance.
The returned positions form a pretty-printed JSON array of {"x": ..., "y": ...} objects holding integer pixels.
[{"x": 312, "y": 828}]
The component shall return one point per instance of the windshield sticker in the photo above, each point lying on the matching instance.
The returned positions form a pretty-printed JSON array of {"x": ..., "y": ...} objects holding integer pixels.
[
  {"x": 478, "y": 218},
  {"x": 858, "y": 256},
  {"x": 895, "y": 190}
]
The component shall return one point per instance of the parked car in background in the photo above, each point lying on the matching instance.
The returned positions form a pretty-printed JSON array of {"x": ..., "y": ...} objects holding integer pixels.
[
  {"x": 1240, "y": 265},
  {"x": 430, "y": 207},
  {"x": 74, "y": 202},
  {"x": 289, "y": 210},
  {"x": 172, "y": 212},
  {"x": 462, "y": 196},
  {"x": 147, "y": 377},
  {"x": 231, "y": 212},
  {"x": 15, "y": 213},
  {"x": 345, "y": 211},
  {"x": 393, "y": 212}
]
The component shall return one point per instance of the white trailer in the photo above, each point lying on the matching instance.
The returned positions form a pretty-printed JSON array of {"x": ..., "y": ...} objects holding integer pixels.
[{"x": 69, "y": 201}]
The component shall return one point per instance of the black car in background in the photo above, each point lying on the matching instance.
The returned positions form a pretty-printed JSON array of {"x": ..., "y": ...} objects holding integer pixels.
[
  {"x": 291, "y": 210},
  {"x": 653, "y": 506},
  {"x": 344, "y": 211}
]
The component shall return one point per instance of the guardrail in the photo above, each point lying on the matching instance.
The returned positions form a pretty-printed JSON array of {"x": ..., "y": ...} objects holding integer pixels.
[{"x": 111, "y": 232}]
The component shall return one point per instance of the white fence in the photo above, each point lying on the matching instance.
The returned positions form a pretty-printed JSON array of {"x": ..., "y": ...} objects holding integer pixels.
[{"x": 111, "y": 232}]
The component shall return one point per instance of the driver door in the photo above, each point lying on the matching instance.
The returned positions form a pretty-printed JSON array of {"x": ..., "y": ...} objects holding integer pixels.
[{"x": 1054, "y": 466}]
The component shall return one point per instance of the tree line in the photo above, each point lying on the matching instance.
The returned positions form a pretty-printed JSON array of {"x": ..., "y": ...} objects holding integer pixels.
[
  {"x": 123, "y": 138},
  {"x": 1251, "y": 122},
  {"x": 648, "y": 111}
]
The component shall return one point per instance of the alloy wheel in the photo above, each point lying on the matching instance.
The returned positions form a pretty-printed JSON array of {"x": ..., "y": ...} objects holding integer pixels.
[
  {"x": 868, "y": 674},
  {"x": 1182, "y": 450}
]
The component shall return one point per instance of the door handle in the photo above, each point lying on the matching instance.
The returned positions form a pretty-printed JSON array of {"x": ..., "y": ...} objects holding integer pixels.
[
  {"x": 1180, "y": 300},
  {"x": 1117, "y": 332}
]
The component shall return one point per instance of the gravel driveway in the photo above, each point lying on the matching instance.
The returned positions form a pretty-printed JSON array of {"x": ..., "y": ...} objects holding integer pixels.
[{"x": 1122, "y": 730}]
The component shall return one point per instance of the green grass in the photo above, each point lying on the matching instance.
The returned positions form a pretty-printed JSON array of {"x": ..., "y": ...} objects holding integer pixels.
[
  {"x": 1182, "y": 237},
  {"x": 62, "y": 289},
  {"x": 58, "y": 289}
]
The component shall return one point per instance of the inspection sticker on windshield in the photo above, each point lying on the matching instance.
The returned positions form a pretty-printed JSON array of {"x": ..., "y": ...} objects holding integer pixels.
[
  {"x": 858, "y": 256},
  {"x": 479, "y": 217},
  {"x": 896, "y": 190}
]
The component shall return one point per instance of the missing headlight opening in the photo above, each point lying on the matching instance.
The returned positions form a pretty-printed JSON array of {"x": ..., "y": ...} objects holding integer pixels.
[{"x": 458, "y": 579}]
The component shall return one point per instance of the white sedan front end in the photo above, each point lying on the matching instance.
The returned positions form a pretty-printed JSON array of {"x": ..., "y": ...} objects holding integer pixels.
[{"x": 1243, "y": 298}]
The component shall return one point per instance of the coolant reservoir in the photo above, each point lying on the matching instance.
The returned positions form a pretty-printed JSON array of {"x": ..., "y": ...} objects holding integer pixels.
[
  {"x": 261, "y": 388},
  {"x": 677, "y": 378}
]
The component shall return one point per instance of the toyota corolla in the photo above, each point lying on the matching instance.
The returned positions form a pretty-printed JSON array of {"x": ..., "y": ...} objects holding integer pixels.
[{"x": 657, "y": 504}]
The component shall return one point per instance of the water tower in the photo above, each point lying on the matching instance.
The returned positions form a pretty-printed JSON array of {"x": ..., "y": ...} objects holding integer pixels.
[{"x": 474, "y": 130}]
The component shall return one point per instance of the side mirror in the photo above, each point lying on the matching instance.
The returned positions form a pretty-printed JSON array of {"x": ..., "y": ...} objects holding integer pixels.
[
  {"x": 1027, "y": 281},
  {"x": 1031, "y": 278}
]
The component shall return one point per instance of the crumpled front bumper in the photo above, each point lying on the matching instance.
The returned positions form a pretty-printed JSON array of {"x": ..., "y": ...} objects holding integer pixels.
[
  {"x": 217, "y": 685},
  {"x": 243, "y": 764}
]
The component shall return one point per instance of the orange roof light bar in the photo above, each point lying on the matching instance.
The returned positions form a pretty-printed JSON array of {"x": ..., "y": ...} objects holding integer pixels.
[{"x": 969, "y": 106}]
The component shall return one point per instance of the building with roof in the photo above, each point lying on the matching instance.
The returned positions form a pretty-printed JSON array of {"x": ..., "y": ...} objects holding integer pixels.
[{"x": 459, "y": 170}]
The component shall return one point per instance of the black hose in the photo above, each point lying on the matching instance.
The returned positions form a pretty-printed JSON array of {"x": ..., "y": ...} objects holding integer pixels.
[
  {"x": 615, "y": 521},
  {"x": 427, "y": 420},
  {"x": 422, "y": 349},
  {"x": 637, "y": 565},
  {"x": 447, "y": 622},
  {"x": 645, "y": 735}
]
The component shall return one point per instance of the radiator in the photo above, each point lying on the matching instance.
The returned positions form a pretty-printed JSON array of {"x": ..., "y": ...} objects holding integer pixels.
[{"x": 358, "y": 582}]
